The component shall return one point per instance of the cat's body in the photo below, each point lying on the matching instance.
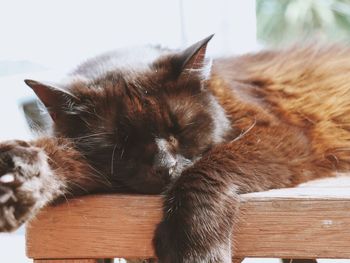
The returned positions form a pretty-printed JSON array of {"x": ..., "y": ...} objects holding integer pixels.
[
  {"x": 294, "y": 100},
  {"x": 252, "y": 123}
]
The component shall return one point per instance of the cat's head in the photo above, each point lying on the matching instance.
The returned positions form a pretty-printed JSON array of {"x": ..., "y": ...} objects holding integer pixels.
[{"x": 141, "y": 126}]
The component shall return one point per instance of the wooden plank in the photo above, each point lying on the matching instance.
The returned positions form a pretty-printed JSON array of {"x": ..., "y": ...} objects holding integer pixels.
[
  {"x": 301, "y": 193},
  {"x": 285, "y": 223},
  {"x": 105, "y": 226},
  {"x": 293, "y": 228}
]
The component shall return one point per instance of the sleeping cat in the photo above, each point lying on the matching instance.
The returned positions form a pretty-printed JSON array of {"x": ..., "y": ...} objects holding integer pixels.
[{"x": 157, "y": 121}]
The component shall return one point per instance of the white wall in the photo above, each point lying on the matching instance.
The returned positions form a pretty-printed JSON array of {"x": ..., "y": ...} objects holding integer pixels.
[
  {"x": 61, "y": 33},
  {"x": 57, "y": 34}
]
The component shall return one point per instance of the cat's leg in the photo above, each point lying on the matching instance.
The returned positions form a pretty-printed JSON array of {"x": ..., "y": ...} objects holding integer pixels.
[
  {"x": 200, "y": 206},
  {"x": 32, "y": 174},
  {"x": 27, "y": 183},
  {"x": 198, "y": 219}
]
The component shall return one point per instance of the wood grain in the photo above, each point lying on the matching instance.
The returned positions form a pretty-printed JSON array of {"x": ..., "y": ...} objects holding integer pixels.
[
  {"x": 293, "y": 228},
  {"x": 95, "y": 226},
  {"x": 289, "y": 223}
]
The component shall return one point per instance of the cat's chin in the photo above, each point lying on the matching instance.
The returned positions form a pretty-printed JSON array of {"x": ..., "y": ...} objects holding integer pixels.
[{"x": 151, "y": 187}]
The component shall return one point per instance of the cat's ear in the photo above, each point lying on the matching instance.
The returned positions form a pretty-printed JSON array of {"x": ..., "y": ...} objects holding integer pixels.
[
  {"x": 192, "y": 59},
  {"x": 55, "y": 99}
]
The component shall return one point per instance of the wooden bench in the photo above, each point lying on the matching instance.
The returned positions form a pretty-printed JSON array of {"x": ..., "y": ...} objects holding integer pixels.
[{"x": 305, "y": 222}]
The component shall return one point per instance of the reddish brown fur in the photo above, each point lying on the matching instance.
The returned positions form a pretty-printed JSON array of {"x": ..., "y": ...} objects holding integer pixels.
[
  {"x": 299, "y": 99},
  {"x": 71, "y": 166}
]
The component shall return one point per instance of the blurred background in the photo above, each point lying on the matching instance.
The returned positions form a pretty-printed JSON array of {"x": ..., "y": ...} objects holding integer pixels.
[{"x": 44, "y": 40}]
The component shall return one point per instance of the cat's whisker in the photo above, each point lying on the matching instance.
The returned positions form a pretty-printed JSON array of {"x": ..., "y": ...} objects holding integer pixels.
[
  {"x": 93, "y": 135},
  {"x": 99, "y": 177},
  {"x": 243, "y": 133},
  {"x": 66, "y": 199},
  {"x": 78, "y": 186},
  {"x": 121, "y": 154},
  {"x": 112, "y": 161}
]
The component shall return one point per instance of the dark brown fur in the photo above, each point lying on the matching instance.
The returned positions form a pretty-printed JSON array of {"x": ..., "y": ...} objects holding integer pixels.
[{"x": 288, "y": 114}]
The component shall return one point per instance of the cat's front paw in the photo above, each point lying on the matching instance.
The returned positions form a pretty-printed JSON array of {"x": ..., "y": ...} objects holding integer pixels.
[
  {"x": 175, "y": 242},
  {"x": 26, "y": 183},
  {"x": 165, "y": 245},
  {"x": 197, "y": 223},
  {"x": 185, "y": 242}
]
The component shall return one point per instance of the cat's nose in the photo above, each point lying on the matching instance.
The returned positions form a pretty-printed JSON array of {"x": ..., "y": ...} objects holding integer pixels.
[
  {"x": 165, "y": 165},
  {"x": 172, "y": 170},
  {"x": 164, "y": 162},
  {"x": 162, "y": 172}
]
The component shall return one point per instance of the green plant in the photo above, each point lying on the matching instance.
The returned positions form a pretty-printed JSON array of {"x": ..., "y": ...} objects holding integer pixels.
[{"x": 281, "y": 21}]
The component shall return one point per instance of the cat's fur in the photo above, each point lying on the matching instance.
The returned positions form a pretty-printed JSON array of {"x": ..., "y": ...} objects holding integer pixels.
[{"x": 199, "y": 135}]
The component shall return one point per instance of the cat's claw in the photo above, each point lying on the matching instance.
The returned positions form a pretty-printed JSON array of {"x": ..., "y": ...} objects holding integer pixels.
[
  {"x": 5, "y": 194},
  {"x": 7, "y": 178}
]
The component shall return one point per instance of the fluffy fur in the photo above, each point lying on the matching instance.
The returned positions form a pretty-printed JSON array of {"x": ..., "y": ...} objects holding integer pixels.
[{"x": 255, "y": 122}]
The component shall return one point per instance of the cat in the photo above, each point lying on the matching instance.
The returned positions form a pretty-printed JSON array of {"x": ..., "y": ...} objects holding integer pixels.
[{"x": 198, "y": 131}]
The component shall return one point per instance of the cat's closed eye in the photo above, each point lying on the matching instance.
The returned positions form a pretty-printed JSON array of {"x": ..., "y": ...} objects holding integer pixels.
[{"x": 173, "y": 141}]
